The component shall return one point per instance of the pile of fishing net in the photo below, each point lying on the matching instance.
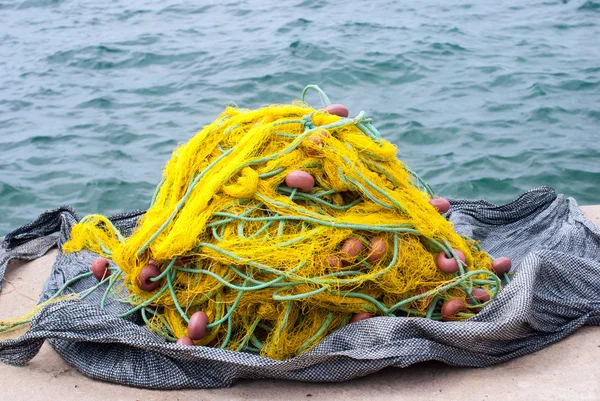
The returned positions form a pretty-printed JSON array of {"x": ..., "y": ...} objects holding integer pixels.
[{"x": 272, "y": 228}]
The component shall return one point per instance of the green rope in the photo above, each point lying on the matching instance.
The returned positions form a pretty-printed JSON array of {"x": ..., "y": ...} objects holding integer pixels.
[
  {"x": 320, "y": 91},
  {"x": 318, "y": 334},
  {"x": 228, "y": 335}
]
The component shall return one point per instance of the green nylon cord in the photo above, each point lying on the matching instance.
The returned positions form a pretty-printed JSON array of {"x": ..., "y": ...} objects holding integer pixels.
[
  {"x": 320, "y": 91},
  {"x": 318, "y": 334},
  {"x": 228, "y": 336}
]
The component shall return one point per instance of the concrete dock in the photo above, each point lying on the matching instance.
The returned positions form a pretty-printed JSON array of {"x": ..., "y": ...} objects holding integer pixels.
[{"x": 567, "y": 370}]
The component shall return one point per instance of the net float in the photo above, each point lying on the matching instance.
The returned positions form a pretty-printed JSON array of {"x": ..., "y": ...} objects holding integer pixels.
[
  {"x": 180, "y": 262},
  {"x": 440, "y": 204},
  {"x": 451, "y": 307},
  {"x": 377, "y": 249},
  {"x": 301, "y": 180},
  {"x": 312, "y": 151},
  {"x": 185, "y": 340},
  {"x": 357, "y": 317},
  {"x": 333, "y": 261},
  {"x": 351, "y": 248},
  {"x": 317, "y": 140},
  {"x": 100, "y": 268},
  {"x": 197, "y": 325},
  {"x": 501, "y": 265},
  {"x": 480, "y": 295},
  {"x": 148, "y": 272},
  {"x": 337, "y": 110},
  {"x": 449, "y": 265},
  {"x": 426, "y": 300}
]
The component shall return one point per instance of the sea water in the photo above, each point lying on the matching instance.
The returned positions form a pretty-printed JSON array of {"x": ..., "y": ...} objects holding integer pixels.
[{"x": 484, "y": 99}]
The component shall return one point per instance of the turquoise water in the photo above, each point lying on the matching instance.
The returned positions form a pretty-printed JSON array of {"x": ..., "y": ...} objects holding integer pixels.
[{"x": 484, "y": 100}]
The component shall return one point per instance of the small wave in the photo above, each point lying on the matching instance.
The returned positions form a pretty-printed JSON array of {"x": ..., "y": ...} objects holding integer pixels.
[
  {"x": 98, "y": 103},
  {"x": 578, "y": 85},
  {"x": 505, "y": 81},
  {"x": 156, "y": 90},
  {"x": 147, "y": 59},
  {"x": 40, "y": 140},
  {"x": 535, "y": 90},
  {"x": 142, "y": 40},
  {"x": 37, "y": 74},
  {"x": 45, "y": 176},
  {"x": 590, "y": 6},
  {"x": 107, "y": 196},
  {"x": 546, "y": 114},
  {"x": 124, "y": 138},
  {"x": 11, "y": 195},
  {"x": 52, "y": 139},
  {"x": 117, "y": 134},
  {"x": 177, "y": 9},
  {"x": 178, "y": 107},
  {"x": 412, "y": 124},
  {"x": 564, "y": 26},
  {"x": 594, "y": 114},
  {"x": 9, "y": 122},
  {"x": 309, "y": 51},
  {"x": 447, "y": 48},
  {"x": 63, "y": 57},
  {"x": 299, "y": 23},
  {"x": 396, "y": 64},
  {"x": 165, "y": 124},
  {"x": 493, "y": 189},
  {"x": 39, "y": 3},
  {"x": 37, "y": 161},
  {"x": 489, "y": 161},
  {"x": 165, "y": 146},
  {"x": 406, "y": 79},
  {"x": 242, "y": 13},
  {"x": 115, "y": 156},
  {"x": 522, "y": 28},
  {"x": 8, "y": 39},
  {"x": 460, "y": 89},
  {"x": 417, "y": 136},
  {"x": 368, "y": 26},
  {"x": 94, "y": 58},
  {"x": 504, "y": 107},
  {"x": 497, "y": 123},
  {"x": 487, "y": 69},
  {"x": 15, "y": 105},
  {"x": 128, "y": 14},
  {"x": 43, "y": 93},
  {"x": 313, "y": 4},
  {"x": 455, "y": 30}
]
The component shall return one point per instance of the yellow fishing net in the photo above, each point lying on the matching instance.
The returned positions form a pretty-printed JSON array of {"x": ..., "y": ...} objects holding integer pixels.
[{"x": 271, "y": 264}]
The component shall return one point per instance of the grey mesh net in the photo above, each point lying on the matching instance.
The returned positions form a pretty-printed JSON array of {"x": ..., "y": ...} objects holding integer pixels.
[{"x": 555, "y": 290}]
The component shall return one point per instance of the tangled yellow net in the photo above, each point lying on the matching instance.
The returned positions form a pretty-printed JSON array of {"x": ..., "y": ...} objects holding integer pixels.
[{"x": 277, "y": 267}]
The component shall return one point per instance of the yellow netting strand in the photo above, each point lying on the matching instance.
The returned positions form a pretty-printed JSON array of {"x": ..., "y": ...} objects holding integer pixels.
[{"x": 232, "y": 240}]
